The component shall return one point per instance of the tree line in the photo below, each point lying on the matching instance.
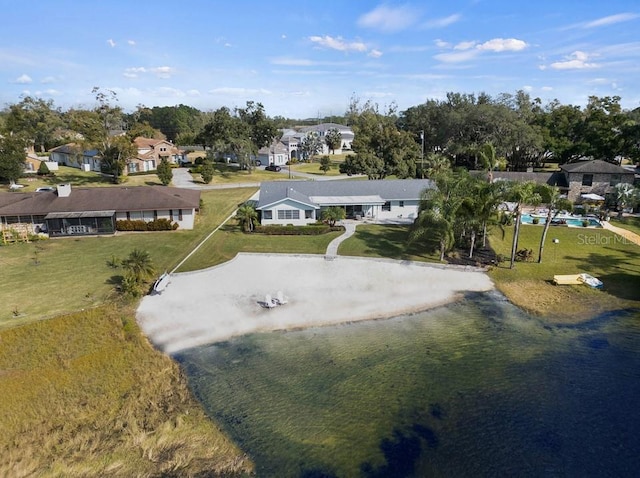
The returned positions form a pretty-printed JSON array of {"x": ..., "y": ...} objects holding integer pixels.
[{"x": 412, "y": 143}]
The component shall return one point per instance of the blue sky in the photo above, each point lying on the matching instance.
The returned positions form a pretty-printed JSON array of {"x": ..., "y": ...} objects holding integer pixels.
[{"x": 307, "y": 58}]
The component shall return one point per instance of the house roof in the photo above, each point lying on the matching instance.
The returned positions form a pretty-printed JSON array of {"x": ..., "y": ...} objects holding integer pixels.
[
  {"x": 553, "y": 178},
  {"x": 345, "y": 190},
  {"x": 595, "y": 166},
  {"x": 73, "y": 148},
  {"x": 120, "y": 199}
]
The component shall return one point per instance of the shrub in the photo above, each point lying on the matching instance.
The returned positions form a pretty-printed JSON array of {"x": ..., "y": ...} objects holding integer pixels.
[
  {"x": 289, "y": 230},
  {"x": 43, "y": 169},
  {"x": 585, "y": 223},
  {"x": 139, "y": 225},
  {"x": 536, "y": 220}
]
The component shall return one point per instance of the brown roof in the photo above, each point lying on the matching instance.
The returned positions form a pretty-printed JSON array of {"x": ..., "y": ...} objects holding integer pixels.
[{"x": 120, "y": 199}]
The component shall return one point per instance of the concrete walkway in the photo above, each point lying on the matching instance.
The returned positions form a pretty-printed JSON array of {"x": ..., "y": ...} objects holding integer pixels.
[
  {"x": 627, "y": 235},
  {"x": 332, "y": 248}
]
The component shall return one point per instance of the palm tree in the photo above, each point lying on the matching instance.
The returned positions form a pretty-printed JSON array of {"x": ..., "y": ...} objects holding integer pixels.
[
  {"x": 551, "y": 196},
  {"x": 139, "y": 266},
  {"x": 521, "y": 194},
  {"x": 248, "y": 216},
  {"x": 439, "y": 212},
  {"x": 490, "y": 161},
  {"x": 437, "y": 165}
]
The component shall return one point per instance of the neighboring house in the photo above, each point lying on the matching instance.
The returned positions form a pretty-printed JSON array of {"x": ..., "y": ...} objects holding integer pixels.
[
  {"x": 302, "y": 202},
  {"x": 574, "y": 179},
  {"x": 72, "y": 155},
  {"x": 292, "y": 138},
  {"x": 81, "y": 211},
  {"x": 594, "y": 177},
  {"x": 277, "y": 154},
  {"x": 151, "y": 152},
  {"x": 33, "y": 162}
]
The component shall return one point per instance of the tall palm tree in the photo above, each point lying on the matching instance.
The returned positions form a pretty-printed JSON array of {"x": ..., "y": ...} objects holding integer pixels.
[
  {"x": 490, "y": 161},
  {"x": 248, "y": 216},
  {"x": 522, "y": 194},
  {"x": 551, "y": 197},
  {"x": 139, "y": 266},
  {"x": 439, "y": 212}
]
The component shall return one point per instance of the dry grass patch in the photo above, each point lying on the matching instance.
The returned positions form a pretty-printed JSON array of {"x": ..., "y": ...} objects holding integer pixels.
[{"x": 86, "y": 395}]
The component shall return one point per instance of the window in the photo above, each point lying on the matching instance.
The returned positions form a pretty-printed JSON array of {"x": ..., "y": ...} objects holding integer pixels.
[
  {"x": 386, "y": 206},
  {"x": 288, "y": 214},
  {"x": 587, "y": 179},
  {"x": 401, "y": 204},
  {"x": 615, "y": 179},
  {"x": 175, "y": 215},
  {"x": 308, "y": 214},
  {"x": 267, "y": 215}
]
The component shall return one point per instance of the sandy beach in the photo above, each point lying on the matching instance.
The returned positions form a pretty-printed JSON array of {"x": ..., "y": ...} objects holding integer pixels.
[{"x": 225, "y": 301}]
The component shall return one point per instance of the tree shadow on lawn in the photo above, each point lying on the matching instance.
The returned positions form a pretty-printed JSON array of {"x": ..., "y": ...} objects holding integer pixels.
[
  {"x": 392, "y": 243},
  {"x": 78, "y": 179},
  {"x": 620, "y": 274}
]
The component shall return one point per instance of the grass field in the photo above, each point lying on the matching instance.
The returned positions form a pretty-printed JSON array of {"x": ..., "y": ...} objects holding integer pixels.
[
  {"x": 78, "y": 178},
  {"x": 50, "y": 277},
  {"x": 529, "y": 285},
  {"x": 86, "y": 395}
]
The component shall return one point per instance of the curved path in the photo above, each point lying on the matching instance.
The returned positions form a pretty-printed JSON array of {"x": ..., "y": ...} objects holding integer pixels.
[
  {"x": 332, "y": 248},
  {"x": 628, "y": 235}
]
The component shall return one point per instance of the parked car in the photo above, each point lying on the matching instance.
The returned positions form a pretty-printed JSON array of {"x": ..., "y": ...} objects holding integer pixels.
[
  {"x": 273, "y": 167},
  {"x": 45, "y": 189}
]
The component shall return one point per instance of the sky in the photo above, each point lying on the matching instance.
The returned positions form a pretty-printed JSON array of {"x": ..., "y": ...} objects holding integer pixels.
[{"x": 307, "y": 59}]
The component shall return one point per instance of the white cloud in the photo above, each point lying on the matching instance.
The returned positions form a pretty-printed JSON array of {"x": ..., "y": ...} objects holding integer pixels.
[
  {"x": 239, "y": 92},
  {"x": 443, "y": 22},
  {"x": 227, "y": 45},
  {"x": 283, "y": 36},
  {"x": 338, "y": 43},
  {"x": 131, "y": 42},
  {"x": 389, "y": 19},
  {"x": 611, "y": 19},
  {"x": 377, "y": 94},
  {"x": 578, "y": 60},
  {"x": 193, "y": 92},
  {"x": 442, "y": 43},
  {"x": 547, "y": 88},
  {"x": 468, "y": 50},
  {"x": 160, "y": 71},
  {"x": 503, "y": 44},
  {"x": 163, "y": 71},
  {"x": 375, "y": 53},
  {"x": 48, "y": 79},
  {"x": 111, "y": 43},
  {"x": 23, "y": 80},
  {"x": 286, "y": 61},
  {"x": 465, "y": 45},
  {"x": 527, "y": 88},
  {"x": 457, "y": 57}
]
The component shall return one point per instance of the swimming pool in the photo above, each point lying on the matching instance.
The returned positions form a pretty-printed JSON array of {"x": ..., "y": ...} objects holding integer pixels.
[{"x": 561, "y": 220}]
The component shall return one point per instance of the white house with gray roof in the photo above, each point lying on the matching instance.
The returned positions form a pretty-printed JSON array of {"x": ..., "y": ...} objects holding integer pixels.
[{"x": 301, "y": 202}]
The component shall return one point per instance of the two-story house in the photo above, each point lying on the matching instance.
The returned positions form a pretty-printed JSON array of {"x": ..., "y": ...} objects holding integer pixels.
[
  {"x": 151, "y": 152},
  {"x": 593, "y": 177}
]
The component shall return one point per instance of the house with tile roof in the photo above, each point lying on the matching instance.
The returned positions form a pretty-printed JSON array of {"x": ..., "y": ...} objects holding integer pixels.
[
  {"x": 86, "y": 211},
  {"x": 579, "y": 180},
  {"x": 151, "y": 152},
  {"x": 302, "y": 202}
]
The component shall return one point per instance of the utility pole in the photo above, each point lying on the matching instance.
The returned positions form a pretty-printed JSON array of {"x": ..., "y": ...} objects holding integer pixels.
[{"x": 422, "y": 155}]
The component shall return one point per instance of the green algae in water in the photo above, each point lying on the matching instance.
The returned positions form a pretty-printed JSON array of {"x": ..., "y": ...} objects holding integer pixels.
[{"x": 474, "y": 388}]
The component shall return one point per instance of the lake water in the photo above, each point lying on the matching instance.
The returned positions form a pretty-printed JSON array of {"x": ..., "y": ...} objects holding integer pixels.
[{"x": 473, "y": 389}]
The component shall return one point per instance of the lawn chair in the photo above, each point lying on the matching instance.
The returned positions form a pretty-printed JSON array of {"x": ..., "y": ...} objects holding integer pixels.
[
  {"x": 280, "y": 299},
  {"x": 269, "y": 303}
]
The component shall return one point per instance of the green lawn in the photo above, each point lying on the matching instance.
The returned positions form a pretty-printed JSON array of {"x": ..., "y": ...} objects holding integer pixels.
[
  {"x": 76, "y": 177},
  {"x": 227, "y": 242},
  {"x": 314, "y": 168},
  {"x": 595, "y": 251},
  {"x": 389, "y": 241},
  {"x": 46, "y": 278},
  {"x": 225, "y": 174},
  {"x": 630, "y": 223}
]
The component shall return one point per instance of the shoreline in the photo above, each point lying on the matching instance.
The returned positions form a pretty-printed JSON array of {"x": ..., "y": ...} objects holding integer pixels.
[{"x": 222, "y": 302}]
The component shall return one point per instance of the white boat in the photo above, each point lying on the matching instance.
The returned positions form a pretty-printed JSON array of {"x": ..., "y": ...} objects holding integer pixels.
[
  {"x": 590, "y": 281},
  {"x": 162, "y": 282}
]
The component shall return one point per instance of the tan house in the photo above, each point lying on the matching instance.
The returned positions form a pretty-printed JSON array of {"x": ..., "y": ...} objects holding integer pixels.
[
  {"x": 33, "y": 161},
  {"x": 151, "y": 152}
]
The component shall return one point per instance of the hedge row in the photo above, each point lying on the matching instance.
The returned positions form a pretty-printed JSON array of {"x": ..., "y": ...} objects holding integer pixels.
[
  {"x": 275, "y": 230},
  {"x": 139, "y": 225}
]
